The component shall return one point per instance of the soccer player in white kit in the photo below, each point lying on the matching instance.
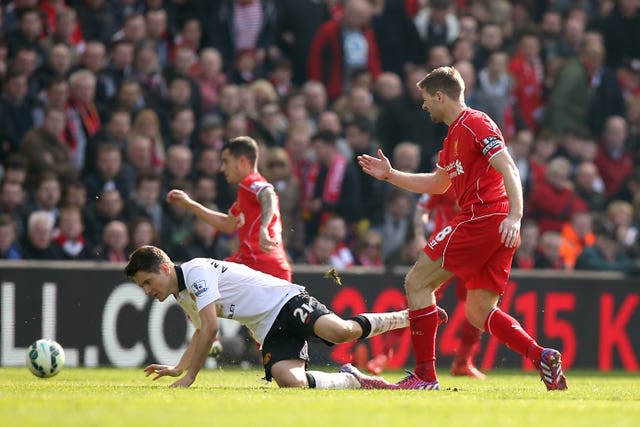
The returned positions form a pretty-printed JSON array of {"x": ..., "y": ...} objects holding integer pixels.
[{"x": 281, "y": 316}]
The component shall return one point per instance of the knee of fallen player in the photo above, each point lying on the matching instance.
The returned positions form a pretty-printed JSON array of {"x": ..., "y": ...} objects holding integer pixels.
[
  {"x": 336, "y": 330},
  {"x": 286, "y": 376}
]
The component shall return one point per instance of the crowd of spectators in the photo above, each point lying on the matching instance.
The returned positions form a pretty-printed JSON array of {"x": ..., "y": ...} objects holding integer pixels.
[{"x": 108, "y": 104}]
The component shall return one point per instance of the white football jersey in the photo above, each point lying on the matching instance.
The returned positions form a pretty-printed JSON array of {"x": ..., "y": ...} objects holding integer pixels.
[{"x": 238, "y": 292}]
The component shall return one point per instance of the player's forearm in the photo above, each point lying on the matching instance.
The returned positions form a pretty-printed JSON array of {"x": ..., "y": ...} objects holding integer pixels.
[
  {"x": 513, "y": 187},
  {"x": 183, "y": 364},
  {"x": 218, "y": 220},
  {"x": 267, "y": 201},
  {"x": 202, "y": 345},
  {"x": 417, "y": 182}
]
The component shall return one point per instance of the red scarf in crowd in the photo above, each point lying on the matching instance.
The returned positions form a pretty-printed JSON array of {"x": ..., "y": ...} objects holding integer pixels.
[
  {"x": 70, "y": 246},
  {"x": 88, "y": 115},
  {"x": 332, "y": 188}
]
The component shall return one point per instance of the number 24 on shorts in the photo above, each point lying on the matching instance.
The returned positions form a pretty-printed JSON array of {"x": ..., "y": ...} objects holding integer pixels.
[{"x": 303, "y": 312}]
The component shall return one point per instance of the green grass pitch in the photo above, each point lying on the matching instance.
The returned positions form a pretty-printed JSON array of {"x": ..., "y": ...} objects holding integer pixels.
[{"x": 230, "y": 397}]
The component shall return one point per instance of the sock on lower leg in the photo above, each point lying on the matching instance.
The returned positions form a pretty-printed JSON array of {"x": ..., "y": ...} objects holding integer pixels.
[
  {"x": 337, "y": 380},
  {"x": 373, "y": 324},
  {"x": 469, "y": 341},
  {"x": 510, "y": 332},
  {"x": 424, "y": 325}
]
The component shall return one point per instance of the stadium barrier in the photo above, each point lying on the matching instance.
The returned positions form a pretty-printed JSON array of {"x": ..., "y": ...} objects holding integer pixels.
[{"x": 102, "y": 319}]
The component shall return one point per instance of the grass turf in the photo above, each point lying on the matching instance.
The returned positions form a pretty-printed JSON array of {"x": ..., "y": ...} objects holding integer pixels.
[{"x": 124, "y": 397}]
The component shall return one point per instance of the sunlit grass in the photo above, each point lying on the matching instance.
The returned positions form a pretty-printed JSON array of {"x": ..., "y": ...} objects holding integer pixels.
[{"x": 123, "y": 397}]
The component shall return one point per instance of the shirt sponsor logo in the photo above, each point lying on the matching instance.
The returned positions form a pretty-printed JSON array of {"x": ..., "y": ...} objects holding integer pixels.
[
  {"x": 454, "y": 169},
  {"x": 490, "y": 143},
  {"x": 200, "y": 287}
]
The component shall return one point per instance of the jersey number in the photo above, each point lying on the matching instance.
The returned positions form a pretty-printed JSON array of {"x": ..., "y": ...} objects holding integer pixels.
[
  {"x": 442, "y": 234},
  {"x": 303, "y": 312}
]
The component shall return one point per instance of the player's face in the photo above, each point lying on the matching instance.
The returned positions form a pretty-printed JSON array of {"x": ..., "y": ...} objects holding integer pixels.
[
  {"x": 433, "y": 105},
  {"x": 231, "y": 168},
  {"x": 156, "y": 285}
]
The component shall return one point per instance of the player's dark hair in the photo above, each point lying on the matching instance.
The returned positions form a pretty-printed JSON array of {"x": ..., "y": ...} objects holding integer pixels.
[
  {"x": 147, "y": 259},
  {"x": 443, "y": 79},
  {"x": 242, "y": 146}
]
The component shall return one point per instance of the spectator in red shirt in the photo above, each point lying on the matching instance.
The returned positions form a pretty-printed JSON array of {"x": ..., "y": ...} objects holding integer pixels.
[
  {"x": 614, "y": 161},
  {"x": 553, "y": 201},
  {"x": 341, "y": 46},
  {"x": 527, "y": 70}
]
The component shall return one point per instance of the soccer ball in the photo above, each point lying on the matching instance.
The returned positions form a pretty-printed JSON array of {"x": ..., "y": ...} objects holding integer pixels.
[{"x": 45, "y": 358}]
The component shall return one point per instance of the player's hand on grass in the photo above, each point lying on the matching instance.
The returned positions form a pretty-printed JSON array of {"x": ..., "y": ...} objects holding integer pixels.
[
  {"x": 178, "y": 197},
  {"x": 510, "y": 231},
  {"x": 185, "y": 381},
  {"x": 162, "y": 370},
  {"x": 379, "y": 167}
]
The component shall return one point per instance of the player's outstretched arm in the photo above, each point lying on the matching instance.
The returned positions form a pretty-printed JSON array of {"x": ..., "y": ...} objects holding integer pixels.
[
  {"x": 201, "y": 345},
  {"x": 379, "y": 167},
  {"x": 221, "y": 221},
  {"x": 510, "y": 227}
]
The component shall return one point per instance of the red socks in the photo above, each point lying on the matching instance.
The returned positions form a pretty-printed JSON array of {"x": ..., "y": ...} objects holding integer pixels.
[
  {"x": 423, "y": 323},
  {"x": 510, "y": 332}
]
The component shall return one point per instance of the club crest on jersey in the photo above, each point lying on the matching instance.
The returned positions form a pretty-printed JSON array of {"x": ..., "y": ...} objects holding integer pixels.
[
  {"x": 200, "y": 287},
  {"x": 489, "y": 144}
]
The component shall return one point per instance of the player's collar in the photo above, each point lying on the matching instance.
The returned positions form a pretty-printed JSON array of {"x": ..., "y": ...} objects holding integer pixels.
[{"x": 181, "y": 283}]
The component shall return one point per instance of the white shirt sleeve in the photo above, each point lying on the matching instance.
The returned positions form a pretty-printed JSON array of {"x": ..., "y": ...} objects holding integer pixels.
[{"x": 202, "y": 281}]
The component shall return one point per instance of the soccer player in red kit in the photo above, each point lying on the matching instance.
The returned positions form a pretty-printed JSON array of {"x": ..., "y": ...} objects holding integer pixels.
[
  {"x": 255, "y": 213},
  {"x": 478, "y": 244},
  {"x": 433, "y": 213}
]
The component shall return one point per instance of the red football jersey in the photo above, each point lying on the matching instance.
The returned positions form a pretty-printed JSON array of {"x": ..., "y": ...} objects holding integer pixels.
[
  {"x": 247, "y": 207},
  {"x": 472, "y": 140},
  {"x": 442, "y": 208}
]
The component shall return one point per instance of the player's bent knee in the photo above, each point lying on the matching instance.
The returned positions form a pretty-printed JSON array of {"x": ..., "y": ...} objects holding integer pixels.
[
  {"x": 286, "y": 376},
  {"x": 290, "y": 382}
]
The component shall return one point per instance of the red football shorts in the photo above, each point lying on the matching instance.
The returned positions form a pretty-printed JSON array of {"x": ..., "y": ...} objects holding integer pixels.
[{"x": 471, "y": 250}]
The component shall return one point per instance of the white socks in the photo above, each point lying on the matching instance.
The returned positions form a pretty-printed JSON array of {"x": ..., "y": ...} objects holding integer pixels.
[
  {"x": 338, "y": 380},
  {"x": 383, "y": 322}
]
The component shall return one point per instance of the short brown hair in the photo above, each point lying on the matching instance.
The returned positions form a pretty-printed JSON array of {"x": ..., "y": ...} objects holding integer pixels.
[
  {"x": 147, "y": 259},
  {"x": 242, "y": 146},
  {"x": 444, "y": 79}
]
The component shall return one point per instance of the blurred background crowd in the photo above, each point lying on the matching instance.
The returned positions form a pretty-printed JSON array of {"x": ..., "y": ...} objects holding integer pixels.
[{"x": 107, "y": 104}]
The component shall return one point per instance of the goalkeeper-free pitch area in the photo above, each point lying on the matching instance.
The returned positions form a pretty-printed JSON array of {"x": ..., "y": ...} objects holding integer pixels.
[{"x": 229, "y": 397}]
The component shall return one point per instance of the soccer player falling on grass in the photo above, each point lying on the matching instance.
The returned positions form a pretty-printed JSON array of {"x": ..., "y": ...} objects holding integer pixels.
[
  {"x": 478, "y": 244},
  {"x": 281, "y": 316}
]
